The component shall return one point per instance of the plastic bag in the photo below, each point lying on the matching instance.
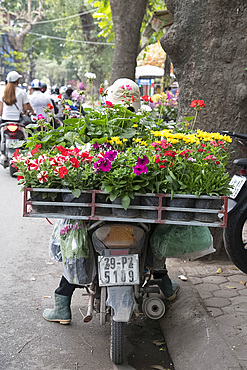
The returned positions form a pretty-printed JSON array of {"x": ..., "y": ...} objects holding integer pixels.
[
  {"x": 54, "y": 244},
  {"x": 70, "y": 243},
  {"x": 181, "y": 241},
  {"x": 77, "y": 253}
]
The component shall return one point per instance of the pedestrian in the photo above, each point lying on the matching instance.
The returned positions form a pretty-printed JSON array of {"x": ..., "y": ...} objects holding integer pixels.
[
  {"x": 13, "y": 102},
  {"x": 63, "y": 294},
  {"x": 39, "y": 101}
]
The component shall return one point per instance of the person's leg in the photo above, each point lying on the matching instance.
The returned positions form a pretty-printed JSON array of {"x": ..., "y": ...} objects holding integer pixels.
[
  {"x": 168, "y": 287},
  {"x": 65, "y": 288},
  {"x": 61, "y": 312}
]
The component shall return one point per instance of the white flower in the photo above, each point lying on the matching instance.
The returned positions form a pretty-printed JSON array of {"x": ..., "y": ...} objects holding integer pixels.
[{"x": 90, "y": 76}]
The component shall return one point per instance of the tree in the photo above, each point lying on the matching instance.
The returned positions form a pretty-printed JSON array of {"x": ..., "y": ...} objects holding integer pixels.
[
  {"x": 208, "y": 49},
  {"x": 127, "y": 19},
  {"x": 24, "y": 16}
]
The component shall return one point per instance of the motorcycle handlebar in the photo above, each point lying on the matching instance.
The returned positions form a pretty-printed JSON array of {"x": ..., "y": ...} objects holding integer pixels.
[{"x": 234, "y": 134}]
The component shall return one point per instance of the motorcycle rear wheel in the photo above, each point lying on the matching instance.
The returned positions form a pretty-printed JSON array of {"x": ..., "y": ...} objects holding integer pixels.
[
  {"x": 235, "y": 237},
  {"x": 12, "y": 170},
  {"x": 117, "y": 342}
]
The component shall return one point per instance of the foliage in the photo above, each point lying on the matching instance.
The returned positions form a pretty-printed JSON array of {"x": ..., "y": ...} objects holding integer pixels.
[{"x": 122, "y": 152}]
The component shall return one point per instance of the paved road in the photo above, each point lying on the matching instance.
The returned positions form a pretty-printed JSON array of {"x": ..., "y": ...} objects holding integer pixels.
[
  {"x": 28, "y": 279},
  {"x": 27, "y": 276}
]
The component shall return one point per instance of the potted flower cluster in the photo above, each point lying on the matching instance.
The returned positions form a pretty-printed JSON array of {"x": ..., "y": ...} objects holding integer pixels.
[{"x": 124, "y": 153}]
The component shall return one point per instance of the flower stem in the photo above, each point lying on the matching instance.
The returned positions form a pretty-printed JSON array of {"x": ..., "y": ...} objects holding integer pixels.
[{"x": 192, "y": 127}]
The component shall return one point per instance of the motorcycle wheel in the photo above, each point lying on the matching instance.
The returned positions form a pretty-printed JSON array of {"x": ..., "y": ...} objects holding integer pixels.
[
  {"x": 12, "y": 170},
  {"x": 117, "y": 342},
  {"x": 235, "y": 237}
]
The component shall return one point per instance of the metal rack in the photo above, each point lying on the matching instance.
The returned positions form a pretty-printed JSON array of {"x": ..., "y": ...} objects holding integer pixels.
[{"x": 46, "y": 208}]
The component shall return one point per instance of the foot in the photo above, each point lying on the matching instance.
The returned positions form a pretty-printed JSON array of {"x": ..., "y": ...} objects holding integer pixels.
[
  {"x": 175, "y": 288},
  {"x": 51, "y": 315}
]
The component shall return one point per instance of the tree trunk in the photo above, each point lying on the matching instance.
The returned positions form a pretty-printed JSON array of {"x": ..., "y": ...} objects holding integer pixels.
[
  {"x": 127, "y": 18},
  {"x": 208, "y": 49}
]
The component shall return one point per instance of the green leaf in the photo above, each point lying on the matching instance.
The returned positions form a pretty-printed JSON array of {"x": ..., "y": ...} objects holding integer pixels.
[
  {"x": 125, "y": 202},
  {"x": 107, "y": 188},
  {"x": 76, "y": 192}
]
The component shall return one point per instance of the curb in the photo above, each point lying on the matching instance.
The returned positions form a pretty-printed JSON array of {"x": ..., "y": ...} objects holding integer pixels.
[{"x": 192, "y": 336}]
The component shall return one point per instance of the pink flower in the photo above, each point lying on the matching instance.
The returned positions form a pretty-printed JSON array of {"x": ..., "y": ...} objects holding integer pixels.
[
  {"x": 109, "y": 104},
  {"x": 40, "y": 116},
  {"x": 43, "y": 176}
]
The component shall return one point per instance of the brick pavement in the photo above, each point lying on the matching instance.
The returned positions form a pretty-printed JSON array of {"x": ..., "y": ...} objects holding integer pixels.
[{"x": 224, "y": 296}]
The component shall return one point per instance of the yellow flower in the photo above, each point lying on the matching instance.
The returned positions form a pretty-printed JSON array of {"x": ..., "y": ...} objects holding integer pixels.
[
  {"x": 144, "y": 143},
  {"x": 137, "y": 140},
  {"x": 135, "y": 125}
]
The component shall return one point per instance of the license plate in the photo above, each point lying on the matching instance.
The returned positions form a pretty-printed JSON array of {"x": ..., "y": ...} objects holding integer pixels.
[
  {"x": 10, "y": 143},
  {"x": 118, "y": 270},
  {"x": 237, "y": 183}
]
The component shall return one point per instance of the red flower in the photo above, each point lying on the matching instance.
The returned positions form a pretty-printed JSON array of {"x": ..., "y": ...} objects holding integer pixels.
[
  {"x": 74, "y": 162},
  {"x": 109, "y": 104},
  {"x": 197, "y": 103},
  {"x": 50, "y": 106},
  {"x": 133, "y": 99},
  {"x": 62, "y": 172},
  {"x": 20, "y": 178},
  {"x": 101, "y": 90},
  {"x": 16, "y": 153},
  {"x": 145, "y": 98},
  {"x": 43, "y": 176},
  {"x": 36, "y": 149},
  {"x": 60, "y": 96},
  {"x": 62, "y": 150}
]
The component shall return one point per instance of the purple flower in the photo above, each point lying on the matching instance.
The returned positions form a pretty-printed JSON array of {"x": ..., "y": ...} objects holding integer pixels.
[
  {"x": 96, "y": 146},
  {"x": 111, "y": 155},
  {"x": 143, "y": 160},
  {"x": 139, "y": 169},
  {"x": 103, "y": 165}
]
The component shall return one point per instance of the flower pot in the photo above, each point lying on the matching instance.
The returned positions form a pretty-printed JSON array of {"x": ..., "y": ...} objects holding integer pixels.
[
  {"x": 179, "y": 203},
  {"x": 46, "y": 208},
  {"x": 77, "y": 210},
  {"x": 102, "y": 199},
  {"x": 207, "y": 204},
  {"x": 149, "y": 201},
  {"x": 122, "y": 213}
]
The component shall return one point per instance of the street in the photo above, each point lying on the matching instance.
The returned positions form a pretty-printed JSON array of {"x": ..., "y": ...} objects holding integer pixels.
[{"x": 28, "y": 279}]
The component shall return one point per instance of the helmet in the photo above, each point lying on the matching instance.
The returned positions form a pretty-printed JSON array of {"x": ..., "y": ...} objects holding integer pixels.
[
  {"x": 36, "y": 84},
  {"x": 13, "y": 76},
  {"x": 43, "y": 87}
]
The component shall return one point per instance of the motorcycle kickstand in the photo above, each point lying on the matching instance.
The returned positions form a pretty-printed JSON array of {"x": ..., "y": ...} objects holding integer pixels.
[{"x": 88, "y": 317}]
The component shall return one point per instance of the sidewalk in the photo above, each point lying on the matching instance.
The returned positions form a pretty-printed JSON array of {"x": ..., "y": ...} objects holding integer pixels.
[{"x": 206, "y": 326}]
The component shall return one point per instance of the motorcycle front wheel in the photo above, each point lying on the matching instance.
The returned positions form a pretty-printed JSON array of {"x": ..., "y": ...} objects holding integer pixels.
[
  {"x": 117, "y": 342},
  {"x": 235, "y": 237}
]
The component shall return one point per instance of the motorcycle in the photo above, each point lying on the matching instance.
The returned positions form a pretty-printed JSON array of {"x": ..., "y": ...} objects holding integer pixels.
[
  {"x": 11, "y": 134},
  {"x": 234, "y": 236},
  {"x": 123, "y": 282}
]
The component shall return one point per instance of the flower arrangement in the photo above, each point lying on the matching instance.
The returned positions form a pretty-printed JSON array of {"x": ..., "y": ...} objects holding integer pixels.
[
  {"x": 122, "y": 152},
  {"x": 165, "y": 104}
]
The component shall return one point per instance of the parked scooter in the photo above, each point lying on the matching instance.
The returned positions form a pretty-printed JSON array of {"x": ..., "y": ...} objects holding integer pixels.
[
  {"x": 235, "y": 235},
  {"x": 11, "y": 133},
  {"x": 123, "y": 281}
]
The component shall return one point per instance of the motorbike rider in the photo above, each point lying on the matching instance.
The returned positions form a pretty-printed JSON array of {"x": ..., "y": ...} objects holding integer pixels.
[
  {"x": 13, "y": 101},
  {"x": 38, "y": 100},
  {"x": 63, "y": 294}
]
